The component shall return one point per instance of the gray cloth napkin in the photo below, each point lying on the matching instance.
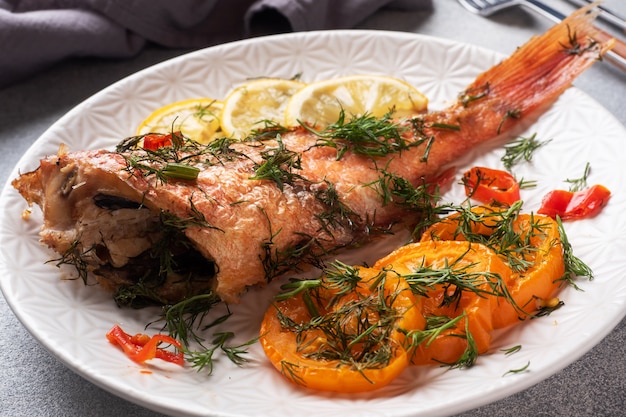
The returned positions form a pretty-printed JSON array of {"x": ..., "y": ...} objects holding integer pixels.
[{"x": 34, "y": 34}]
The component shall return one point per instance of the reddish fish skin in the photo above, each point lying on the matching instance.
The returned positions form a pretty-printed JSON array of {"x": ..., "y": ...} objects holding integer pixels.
[{"x": 253, "y": 222}]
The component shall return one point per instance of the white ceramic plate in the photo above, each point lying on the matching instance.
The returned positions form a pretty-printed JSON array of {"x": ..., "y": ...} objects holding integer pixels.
[{"x": 71, "y": 319}]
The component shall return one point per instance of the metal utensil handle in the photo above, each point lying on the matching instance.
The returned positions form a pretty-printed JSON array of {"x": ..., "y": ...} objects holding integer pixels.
[
  {"x": 607, "y": 15},
  {"x": 616, "y": 56}
]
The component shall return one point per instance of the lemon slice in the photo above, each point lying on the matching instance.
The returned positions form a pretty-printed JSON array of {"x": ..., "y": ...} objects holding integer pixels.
[
  {"x": 320, "y": 103},
  {"x": 196, "y": 118},
  {"x": 248, "y": 106}
]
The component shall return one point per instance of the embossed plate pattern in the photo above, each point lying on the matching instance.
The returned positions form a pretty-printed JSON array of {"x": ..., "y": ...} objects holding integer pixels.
[{"x": 71, "y": 319}]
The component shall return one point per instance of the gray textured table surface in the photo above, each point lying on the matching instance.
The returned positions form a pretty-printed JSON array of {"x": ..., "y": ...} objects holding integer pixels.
[{"x": 34, "y": 383}]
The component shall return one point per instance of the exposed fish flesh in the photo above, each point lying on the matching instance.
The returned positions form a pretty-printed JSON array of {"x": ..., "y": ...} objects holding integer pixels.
[{"x": 259, "y": 207}]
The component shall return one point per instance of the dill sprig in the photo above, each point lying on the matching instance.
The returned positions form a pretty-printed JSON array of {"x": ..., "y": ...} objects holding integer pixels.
[
  {"x": 518, "y": 370},
  {"x": 575, "y": 47},
  {"x": 204, "y": 359},
  {"x": 578, "y": 184},
  {"x": 181, "y": 160},
  {"x": 278, "y": 165},
  {"x": 455, "y": 277},
  {"x": 514, "y": 246},
  {"x": 435, "y": 325},
  {"x": 74, "y": 255},
  {"x": 472, "y": 94},
  {"x": 337, "y": 212},
  {"x": 363, "y": 135},
  {"x": 422, "y": 199},
  {"x": 470, "y": 354},
  {"x": 509, "y": 114},
  {"x": 521, "y": 149},
  {"x": 512, "y": 349},
  {"x": 185, "y": 321},
  {"x": 356, "y": 325},
  {"x": 574, "y": 266},
  {"x": 270, "y": 130}
]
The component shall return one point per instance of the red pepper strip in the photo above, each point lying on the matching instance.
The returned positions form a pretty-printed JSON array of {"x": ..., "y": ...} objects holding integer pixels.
[
  {"x": 154, "y": 141},
  {"x": 141, "y": 348},
  {"x": 571, "y": 205},
  {"x": 491, "y": 185}
]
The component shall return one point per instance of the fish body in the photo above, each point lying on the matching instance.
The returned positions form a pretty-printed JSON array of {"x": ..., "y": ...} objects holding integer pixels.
[{"x": 260, "y": 207}]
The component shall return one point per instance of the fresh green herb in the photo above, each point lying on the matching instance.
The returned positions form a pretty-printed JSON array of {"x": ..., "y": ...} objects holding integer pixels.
[
  {"x": 473, "y": 94},
  {"x": 578, "y": 184},
  {"x": 289, "y": 370},
  {"x": 510, "y": 114},
  {"x": 174, "y": 170},
  {"x": 521, "y": 149},
  {"x": 337, "y": 212},
  {"x": 470, "y": 354},
  {"x": 455, "y": 278},
  {"x": 204, "y": 359},
  {"x": 75, "y": 256},
  {"x": 363, "y": 135},
  {"x": 269, "y": 131},
  {"x": 575, "y": 47},
  {"x": 421, "y": 199},
  {"x": 513, "y": 246},
  {"x": 366, "y": 321},
  {"x": 435, "y": 325},
  {"x": 184, "y": 319},
  {"x": 518, "y": 370},
  {"x": 448, "y": 126},
  {"x": 278, "y": 165},
  {"x": 574, "y": 266},
  {"x": 138, "y": 295},
  {"x": 546, "y": 307},
  {"x": 527, "y": 184},
  {"x": 307, "y": 250},
  {"x": 512, "y": 350}
]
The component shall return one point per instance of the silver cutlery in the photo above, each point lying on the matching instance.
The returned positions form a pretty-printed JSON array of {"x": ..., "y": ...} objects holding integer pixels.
[
  {"x": 607, "y": 15},
  {"x": 616, "y": 56}
]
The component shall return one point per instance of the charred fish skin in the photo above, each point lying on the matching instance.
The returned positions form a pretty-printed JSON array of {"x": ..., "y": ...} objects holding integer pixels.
[{"x": 258, "y": 207}]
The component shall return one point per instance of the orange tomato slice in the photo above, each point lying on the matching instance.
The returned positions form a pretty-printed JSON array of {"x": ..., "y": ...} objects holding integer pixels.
[
  {"x": 343, "y": 341},
  {"x": 530, "y": 287},
  {"x": 469, "y": 293},
  {"x": 542, "y": 252}
]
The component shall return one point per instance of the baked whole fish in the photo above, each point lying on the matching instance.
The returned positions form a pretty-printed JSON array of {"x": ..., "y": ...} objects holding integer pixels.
[{"x": 159, "y": 226}]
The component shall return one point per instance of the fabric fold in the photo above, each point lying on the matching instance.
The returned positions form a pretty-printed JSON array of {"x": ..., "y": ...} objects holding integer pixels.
[{"x": 35, "y": 34}]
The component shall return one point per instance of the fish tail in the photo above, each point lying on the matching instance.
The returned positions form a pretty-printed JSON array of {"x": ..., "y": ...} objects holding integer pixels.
[{"x": 534, "y": 75}]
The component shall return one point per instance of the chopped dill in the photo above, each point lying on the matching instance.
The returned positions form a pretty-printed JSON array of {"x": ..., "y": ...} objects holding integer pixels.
[
  {"x": 521, "y": 149},
  {"x": 363, "y": 135},
  {"x": 74, "y": 256},
  {"x": 356, "y": 330},
  {"x": 510, "y": 114},
  {"x": 518, "y": 370},
  {"x": 578, "y": 184},
  {"x": 574, "y": 266},
  {"x": 575, "y": 47},
  {"x": 455, "y": 278},
  {"x": 512, "y": 350},
  {"x": 473, "y": 94},
  {"x": 435, "y": 325},
  {"x": 278, "y": 165}
]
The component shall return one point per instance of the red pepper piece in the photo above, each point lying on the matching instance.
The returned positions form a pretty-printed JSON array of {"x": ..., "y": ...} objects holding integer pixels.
[
  {"x": 490, "y": 186},
  {"x": 154, "y": 141},
  {"x": 141, "y": 347},
  {"x": 572, "y": 205}
]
